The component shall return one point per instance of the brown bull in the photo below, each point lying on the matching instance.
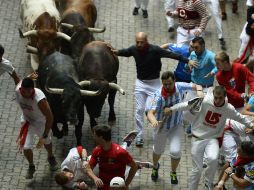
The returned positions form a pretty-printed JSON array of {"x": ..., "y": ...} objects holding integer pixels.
[
  {"x": 78, "y": 21},
  {"x": 85, "y": 8},
  {"x": 40, "y": 23}
]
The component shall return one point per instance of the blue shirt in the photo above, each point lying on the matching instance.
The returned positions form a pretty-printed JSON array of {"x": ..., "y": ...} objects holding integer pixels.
[
  {"x": 251, "y": 102},
  {"x": 158, "y": 103},
  {"x": 181, "y": 72},
  {"x": 207, "y": 64}
]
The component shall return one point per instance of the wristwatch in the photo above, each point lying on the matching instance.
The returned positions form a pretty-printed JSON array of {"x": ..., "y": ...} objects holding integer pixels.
[{"x": 230, "y": 173}]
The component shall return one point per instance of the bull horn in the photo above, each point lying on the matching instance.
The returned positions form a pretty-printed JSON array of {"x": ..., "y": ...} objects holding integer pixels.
[
  {"x": 54, "y": 90},
  {"x": 28, "y": 33},
  {"x": 70, "y": 26},
  {"x": 84, "y": 83},
  {"x": 31, "y": 49},
  {"x": 116, "y": 87},
  {"x": 64, "y": 36},
  {"x": 97, "y": 30},
  {"x": 89, "y": 93}
]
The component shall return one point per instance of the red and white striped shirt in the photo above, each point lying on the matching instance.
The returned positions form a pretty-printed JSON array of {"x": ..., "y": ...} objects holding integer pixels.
[{"x": 191, "y": 14}]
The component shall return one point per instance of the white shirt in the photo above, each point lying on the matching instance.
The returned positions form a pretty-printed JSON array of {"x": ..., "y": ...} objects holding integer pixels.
[
  {"x": 73, "y": 162},
  {"x": 249, "y": 2},
  {"x": 29, "y": 106},
  {"x": 209, "y": 123},
  {"x": 6, "y": 66}
]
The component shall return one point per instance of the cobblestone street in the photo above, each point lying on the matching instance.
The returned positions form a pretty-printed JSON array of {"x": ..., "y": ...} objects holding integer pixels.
[{"x": 121, "y": 27}]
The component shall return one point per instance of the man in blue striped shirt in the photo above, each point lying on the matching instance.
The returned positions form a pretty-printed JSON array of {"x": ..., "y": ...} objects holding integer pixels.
[{"x": 166, "y": 126}]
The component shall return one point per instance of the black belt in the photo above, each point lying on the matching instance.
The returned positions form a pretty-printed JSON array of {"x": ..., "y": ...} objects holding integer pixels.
[
  {"x": 188, "y": 28},
  {"x": 207, "y": 86}
]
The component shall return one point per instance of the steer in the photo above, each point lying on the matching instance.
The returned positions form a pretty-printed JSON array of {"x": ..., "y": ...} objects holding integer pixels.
[
  {"x": 40, "y": 23},
  {"x": 58, "y": 78},
  {"x": 98, "y": 65},
  {"x": 78, "y": 21}
]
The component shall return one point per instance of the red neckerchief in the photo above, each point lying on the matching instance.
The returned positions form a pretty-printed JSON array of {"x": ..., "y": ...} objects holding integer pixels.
[
  {"x": 240, "y": 161},
  {"x": 165, "y": 94},
  {"x": 80, "y": 150},
  {"x": 22, "y": 136},
  {"x": 22, "y": 93},
  {"x": 144, "y": 50}
]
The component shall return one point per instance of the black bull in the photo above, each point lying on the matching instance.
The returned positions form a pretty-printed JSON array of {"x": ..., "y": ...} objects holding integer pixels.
[
  {"x": 100, "y": 66},
  {"x": 57, "y": 77}
]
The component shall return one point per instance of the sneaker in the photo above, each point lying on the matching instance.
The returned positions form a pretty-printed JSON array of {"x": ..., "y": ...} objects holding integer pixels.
[
  {"x": 30, "y": 172},
  {"x": 155, "y": 173},
  {"x": 145, "y": 164},
  {"x": 52, "y": 163},
  {"x": 139, "y": 142},
  {"x": 208, "y": 187},
  {"x": 171, "y": 29},
  {"x": 129, "y": 138},
  {"x": 173, "y": 178},
  {"x": 145, "y": 13},
  {"x": 223, "y": 16},
  {"x": 222, "y": 44},
  {"x": 135, "y": 11}
]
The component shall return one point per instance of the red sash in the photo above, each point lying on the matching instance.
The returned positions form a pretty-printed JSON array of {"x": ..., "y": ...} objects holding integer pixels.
[{"x": 22, "y": 136}]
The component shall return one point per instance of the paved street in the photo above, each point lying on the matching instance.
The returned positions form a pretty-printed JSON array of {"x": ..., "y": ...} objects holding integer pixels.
[{"x": 116, "y": 15}]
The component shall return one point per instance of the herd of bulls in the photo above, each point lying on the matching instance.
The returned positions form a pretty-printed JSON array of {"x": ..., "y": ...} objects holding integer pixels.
[{"x": 73, "y": 69}]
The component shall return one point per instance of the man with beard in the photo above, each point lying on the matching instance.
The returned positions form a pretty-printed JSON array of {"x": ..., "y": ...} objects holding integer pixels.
[{"x": 148, "y": 63}]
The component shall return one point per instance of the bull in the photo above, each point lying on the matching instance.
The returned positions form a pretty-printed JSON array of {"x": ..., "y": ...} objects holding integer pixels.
[
  {"x": 99, "y": 65},
  {"x": 58, "y": 79},
  {"x": 78, "y": 20},
  {"x": 40, "y": 23}
]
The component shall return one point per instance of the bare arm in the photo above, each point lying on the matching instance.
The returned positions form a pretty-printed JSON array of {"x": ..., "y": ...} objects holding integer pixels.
[
  {"x": 151, "y": 118},
  {"x": 132, "y": 172},
  {"x": 98, "y": 182},
  {"x": 15, "y": 77},
  {"x": 46, "y": 111},
  {"x": 246, "y": 110},
  {"x": 165, "y": 46}
]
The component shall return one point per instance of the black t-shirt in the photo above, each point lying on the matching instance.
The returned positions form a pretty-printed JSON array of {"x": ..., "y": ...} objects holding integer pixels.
[{"x": 148, "y": 63}]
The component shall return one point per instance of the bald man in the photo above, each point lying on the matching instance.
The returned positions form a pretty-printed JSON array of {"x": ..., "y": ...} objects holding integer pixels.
[{"x": 148, "y": 63}]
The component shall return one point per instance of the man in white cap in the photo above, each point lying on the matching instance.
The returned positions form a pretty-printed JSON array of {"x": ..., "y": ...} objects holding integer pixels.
[{"x": 117, "y": 183}]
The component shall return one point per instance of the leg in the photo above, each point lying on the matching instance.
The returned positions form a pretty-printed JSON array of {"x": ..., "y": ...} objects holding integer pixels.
[
  {"x": 141, "y": 97},
  {"x": 78, "y": 127},
  {"x": 144, "y": 8},
  {"x": 28, "y": 153},
  {"x": 197, "y": 153},
  {"x": 234, "y": 6},
  {"x": 223, "y": 9},
  {"x": 175, "y": 137},
  {"x": 244, "y": 40},
  {"x": 136, "y": 8},
  {"x": 144, "y": 4},
  {"x": 169, "y": 5},
  {"x": 111, "y": 102},
  {"x": 212, "y": 154},
  {"x": 160, "y": 139}
]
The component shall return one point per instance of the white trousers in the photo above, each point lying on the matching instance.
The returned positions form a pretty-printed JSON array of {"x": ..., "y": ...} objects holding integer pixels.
[
  {"x": 185, "y": 36},
  {"x": 141, "y": 3},
  {"x": 233, "y": 138},
  {"x": 170, "y": 5},
  {"x": 173, "y": 135},
  {"x": 213, "y": 6},
  {"x": 244, "y": 40},
  {"x": 199, "y": 148},
  {"x": 144, "y": 92}
]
